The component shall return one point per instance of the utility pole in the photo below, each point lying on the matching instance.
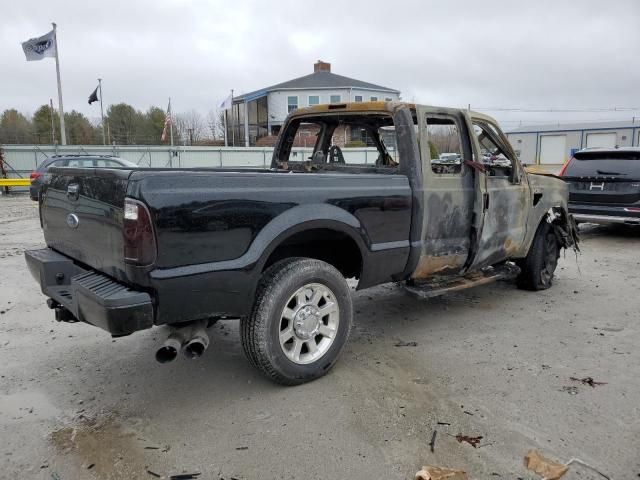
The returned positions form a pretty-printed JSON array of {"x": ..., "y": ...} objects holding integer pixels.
[{"x": 63, "y": 133}]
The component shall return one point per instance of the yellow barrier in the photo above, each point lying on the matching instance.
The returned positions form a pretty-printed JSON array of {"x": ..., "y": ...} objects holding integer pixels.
[{"x": 14, "y": 182}]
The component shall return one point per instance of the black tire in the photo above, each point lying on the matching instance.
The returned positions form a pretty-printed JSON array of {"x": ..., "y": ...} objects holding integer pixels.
[
  {"x": 260, "y": 331},
  {"x": 538, "y": 267}
]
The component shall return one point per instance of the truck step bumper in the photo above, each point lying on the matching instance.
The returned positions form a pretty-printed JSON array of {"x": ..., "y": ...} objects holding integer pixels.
[{"x": 90, "y": 296}]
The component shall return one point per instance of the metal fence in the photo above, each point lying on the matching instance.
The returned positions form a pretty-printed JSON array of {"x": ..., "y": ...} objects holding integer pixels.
[
  {"x": 26, "y": 158},
  {"x": 21, "y": 160}
]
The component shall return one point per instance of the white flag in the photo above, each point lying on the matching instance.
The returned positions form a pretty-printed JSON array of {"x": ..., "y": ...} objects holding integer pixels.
[
  {"x": 39, "y": 48},
  {"x": 226, "y": 103}
]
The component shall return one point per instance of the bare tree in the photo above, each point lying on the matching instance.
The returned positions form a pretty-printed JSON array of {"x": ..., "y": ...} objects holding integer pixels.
[
  {"x": 191, "y": 127},
  {"x": 215, "y": 122}
]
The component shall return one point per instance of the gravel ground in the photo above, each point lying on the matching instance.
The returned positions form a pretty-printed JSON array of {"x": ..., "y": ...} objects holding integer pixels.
[{"x": 494, "y": 362}]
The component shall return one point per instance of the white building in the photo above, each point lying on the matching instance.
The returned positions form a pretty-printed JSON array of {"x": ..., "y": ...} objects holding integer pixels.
[
  {"x": 552, "y": 145},
  {"x": 269, "y": 106}
]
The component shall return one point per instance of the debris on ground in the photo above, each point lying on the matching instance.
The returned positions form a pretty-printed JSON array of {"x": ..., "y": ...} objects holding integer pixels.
[
  {"x": 587, "y": 381},
  {"x": 153, "y": 474},
  {"x": 570, "y": 390},
  {"x": 473, "y": 441},
  {"x": 432, "y": 443},
  {"x": 549, "y": 469},
  {"x": 429, "y": 472},
  {"x": 585, "y": 464},
  {"x": 184, "y": 476},
  {"x": 406, "y": 344}
]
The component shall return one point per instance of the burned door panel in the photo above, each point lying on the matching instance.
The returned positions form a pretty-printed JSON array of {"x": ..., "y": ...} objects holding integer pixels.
[
  {"x": 449, "y": 192},
  {"x": 508, "y": 198}
]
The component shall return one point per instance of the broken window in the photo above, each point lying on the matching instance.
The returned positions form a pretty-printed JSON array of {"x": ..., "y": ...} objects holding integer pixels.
[
  {"x": 445, "y": 145},
  {"x": 494, "y": 155},
  {"x": 340, "y": 142}
]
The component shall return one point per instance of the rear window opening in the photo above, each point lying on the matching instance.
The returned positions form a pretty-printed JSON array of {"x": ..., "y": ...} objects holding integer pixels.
[
  {"x": 616, "y": 163},
  {"x": 350, "y": 142}
]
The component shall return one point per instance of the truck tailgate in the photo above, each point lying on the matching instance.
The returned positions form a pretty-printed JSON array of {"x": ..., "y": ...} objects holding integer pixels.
[{"x": 82, "y": 216}]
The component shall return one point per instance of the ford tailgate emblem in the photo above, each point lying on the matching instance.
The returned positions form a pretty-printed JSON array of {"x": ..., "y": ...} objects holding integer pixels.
[{"x": 72, "y": 220}]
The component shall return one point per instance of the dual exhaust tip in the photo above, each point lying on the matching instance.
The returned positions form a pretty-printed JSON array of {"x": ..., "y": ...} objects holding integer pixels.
[{"x": 191, "y": 339}]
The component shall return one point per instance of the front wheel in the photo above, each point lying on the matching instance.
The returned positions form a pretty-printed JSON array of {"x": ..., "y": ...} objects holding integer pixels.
[
  {"x": 300, "y": 321},
  {"x": 538, "y": 267}
]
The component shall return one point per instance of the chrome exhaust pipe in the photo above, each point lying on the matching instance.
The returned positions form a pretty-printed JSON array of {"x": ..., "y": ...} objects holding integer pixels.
[
  {"x": 198, "y": 343},
  {"x": 192, "y": 339},
  {"x": 170, "y": 348}
]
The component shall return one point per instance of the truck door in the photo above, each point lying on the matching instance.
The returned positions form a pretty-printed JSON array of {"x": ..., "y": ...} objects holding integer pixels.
[
  {"x": 449, "y": 192},
  {"x": 507, "y": 196}
]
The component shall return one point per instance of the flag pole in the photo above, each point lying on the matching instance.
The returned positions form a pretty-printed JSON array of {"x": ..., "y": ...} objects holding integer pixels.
[
  {"x": 226, "y": 141},
  {"x": 53, "y": 126},
  {"x": 170, "y": 122},
  {"x": 63, "y": 133},
  {"x": 233, "y": 124},
  {"x": 104, "y": 138}
]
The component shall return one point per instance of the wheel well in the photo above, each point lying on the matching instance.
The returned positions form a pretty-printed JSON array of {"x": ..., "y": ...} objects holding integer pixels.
[{"x": 331, "y": 246}]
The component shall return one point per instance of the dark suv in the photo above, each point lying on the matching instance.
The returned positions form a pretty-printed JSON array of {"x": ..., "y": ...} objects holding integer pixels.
[
  {"x": 78, "y": 161},
  {"x": 604, "y": 185}
]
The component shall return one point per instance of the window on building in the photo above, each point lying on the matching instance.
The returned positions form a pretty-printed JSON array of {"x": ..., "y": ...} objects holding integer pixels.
[
  {"x": 388, "y": 99},
  {"x": 374, "y": 99},
  {"x": 334, "y": 99},
  {"x": 292, "y": 103},
  {"x": 358, "y": 98},
  {"x": 314, "y": 100}
]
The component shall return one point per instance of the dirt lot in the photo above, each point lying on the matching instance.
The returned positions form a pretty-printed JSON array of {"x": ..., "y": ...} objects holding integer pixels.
[{"x": 494, "y": 362}]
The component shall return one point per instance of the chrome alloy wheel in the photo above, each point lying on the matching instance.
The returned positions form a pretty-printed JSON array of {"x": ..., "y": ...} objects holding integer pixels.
[{"x": 309, "y": 323}]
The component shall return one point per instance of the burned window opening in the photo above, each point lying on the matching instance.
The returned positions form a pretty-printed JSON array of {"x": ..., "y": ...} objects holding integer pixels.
[{"x": 351, "y": 142}]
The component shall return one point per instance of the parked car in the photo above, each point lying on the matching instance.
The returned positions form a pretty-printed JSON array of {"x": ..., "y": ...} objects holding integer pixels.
[
  {"x": 128, "y": 249},
  {"x": 604, "y": 185},
  {"x": 79, "y": 161}
]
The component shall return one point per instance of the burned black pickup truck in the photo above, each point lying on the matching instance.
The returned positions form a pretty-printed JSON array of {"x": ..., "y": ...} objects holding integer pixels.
[{"x": 129, "y": 249}]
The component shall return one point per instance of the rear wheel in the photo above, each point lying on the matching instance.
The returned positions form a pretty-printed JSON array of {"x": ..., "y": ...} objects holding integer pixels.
[
  {"x": 538, "y": 267},
  {"x": 300, "y": 321}
]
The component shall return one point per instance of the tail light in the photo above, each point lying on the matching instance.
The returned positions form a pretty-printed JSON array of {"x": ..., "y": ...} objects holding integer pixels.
[
  {"x": 139, "y": 237},
  {"x": 564, "y": 167},
  {"x": 34, "y": 175}
]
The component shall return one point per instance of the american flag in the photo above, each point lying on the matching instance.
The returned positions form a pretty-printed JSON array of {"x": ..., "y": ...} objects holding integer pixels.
[{"x": 167, "y": 123}]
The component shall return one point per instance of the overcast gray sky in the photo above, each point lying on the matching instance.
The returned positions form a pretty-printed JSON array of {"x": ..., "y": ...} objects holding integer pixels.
[{"x": 542, "y": 54}]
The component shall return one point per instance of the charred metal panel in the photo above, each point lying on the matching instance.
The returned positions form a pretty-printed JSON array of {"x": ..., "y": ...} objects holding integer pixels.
[
  {"x": 449, "y": 201},
  {"x": 505, "y": 222}
]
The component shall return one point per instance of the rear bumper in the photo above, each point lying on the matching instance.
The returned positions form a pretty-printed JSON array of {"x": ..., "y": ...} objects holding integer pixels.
[
  {"x": 90, "y": 296},
  {"x": 604, "y": 214}
]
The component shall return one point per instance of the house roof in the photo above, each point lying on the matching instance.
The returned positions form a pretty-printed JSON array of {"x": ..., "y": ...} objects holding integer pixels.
[
  {"x": 566, "y": 127},
  {"x": 315, "y": 81}
]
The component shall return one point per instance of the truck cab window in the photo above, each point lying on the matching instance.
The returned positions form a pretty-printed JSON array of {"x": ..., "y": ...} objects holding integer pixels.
[
  {"x": 340, "y": 142},
  {"x": 494, "y": 155},
  {"x": 445, "y": 145}
]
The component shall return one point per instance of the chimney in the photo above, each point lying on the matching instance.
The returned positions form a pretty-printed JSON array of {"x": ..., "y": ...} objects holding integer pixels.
[{"x": 321, "y": 66}]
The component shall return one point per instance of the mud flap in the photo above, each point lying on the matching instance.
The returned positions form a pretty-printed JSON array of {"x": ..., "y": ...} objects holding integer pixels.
[{"x": 564, "y": 227}]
